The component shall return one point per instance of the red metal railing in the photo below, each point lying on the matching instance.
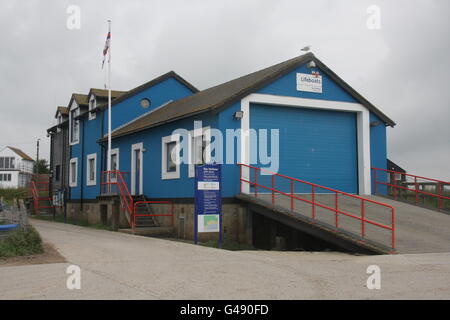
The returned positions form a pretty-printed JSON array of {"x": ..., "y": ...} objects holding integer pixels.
[
  {"x": 35, "y": 196},
  {"x": 112, "y": 182},
  {"x": 35, "y": 188},
  {"x": 314, "y": 202},
  {"x": 397, "y": 182},
  {"x": 138, "y": 203}
]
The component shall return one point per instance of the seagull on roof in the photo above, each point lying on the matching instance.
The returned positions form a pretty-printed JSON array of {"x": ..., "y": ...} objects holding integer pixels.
[{"x": 306, "y": 49}]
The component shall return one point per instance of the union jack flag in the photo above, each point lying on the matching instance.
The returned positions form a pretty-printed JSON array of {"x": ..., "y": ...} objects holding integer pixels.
[{"x": 106, "y": 49}]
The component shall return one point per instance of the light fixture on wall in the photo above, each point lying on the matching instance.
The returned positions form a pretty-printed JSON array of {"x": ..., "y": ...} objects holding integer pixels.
[
  {"x": 238, "y": 115},
  {"x": 312, "y": 64},
  {"x": 375, "y": 123}
]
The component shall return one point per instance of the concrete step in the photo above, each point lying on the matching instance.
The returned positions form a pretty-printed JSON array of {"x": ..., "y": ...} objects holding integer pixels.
[{"x": 150, "y": 231}]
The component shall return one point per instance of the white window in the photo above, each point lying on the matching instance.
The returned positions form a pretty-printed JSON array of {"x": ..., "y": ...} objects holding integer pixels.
[
  {"x": 199, "y": 148},
  {"x": 74, "y": 124},
  {"x": 115, "y": 159},
  {"x": 7, "y": 163},
  {"x": 59, "y": 121},
  {"x": 91, "y": 170},
  {"x": 73, "y": 172},
  {"x": 170, "y": 168},
  {"x": 114, "y": 163},
  {"x": 5, "y": 177},
  {"x": 92, "y": 106}
]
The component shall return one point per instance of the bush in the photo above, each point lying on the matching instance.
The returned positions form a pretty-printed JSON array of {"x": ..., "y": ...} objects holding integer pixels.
[
  {"x": 10, "y": 194},
  {"x": 21, "y": 243}
]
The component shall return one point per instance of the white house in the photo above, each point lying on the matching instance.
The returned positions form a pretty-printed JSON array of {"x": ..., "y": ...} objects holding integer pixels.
[{"x": 16, "y": 168}]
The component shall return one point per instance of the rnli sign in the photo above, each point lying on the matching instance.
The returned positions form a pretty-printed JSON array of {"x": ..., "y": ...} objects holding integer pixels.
[{"x": 309, "y": 82}]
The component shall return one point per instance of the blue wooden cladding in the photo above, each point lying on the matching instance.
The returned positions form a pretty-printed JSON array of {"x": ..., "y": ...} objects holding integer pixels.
[{"x": 318, "y": 146}]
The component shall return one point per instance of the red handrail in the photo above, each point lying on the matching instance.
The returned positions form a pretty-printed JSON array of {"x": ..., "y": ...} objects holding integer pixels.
[
  {"x": 115, "y": 178},
  {"x": 337, "y": 210},
  {"x": 152, "y": 215},
  {"x": 35, "y": 197},
  {"x": 439, "y": 183}
]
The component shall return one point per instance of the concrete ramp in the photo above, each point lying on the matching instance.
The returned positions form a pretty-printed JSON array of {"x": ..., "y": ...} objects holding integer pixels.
[{"x": 417, "y": 230}]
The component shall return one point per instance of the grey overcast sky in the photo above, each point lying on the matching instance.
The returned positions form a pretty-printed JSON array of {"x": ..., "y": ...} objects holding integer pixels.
[{"x": 403, "y": 68}]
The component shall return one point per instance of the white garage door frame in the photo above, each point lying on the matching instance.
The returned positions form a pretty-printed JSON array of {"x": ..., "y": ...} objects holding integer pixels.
[{"x": 363, "y": 130}]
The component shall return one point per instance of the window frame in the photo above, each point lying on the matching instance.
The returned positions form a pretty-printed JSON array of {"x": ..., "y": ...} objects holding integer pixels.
[
  {"x": 73, "y": 184},
  {"x": 74, "y": 112},
  {"x": 89, "y": 158},
  {"x": 92, "y": 105},
  {"x": 165, "y": 141}
]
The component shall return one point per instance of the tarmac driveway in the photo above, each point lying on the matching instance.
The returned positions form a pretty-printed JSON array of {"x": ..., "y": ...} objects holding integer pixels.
[{"x": 120, "y": 266}]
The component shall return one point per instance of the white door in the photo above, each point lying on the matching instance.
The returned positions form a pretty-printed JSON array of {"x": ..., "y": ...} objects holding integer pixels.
[{"x": 137, "y": 169}]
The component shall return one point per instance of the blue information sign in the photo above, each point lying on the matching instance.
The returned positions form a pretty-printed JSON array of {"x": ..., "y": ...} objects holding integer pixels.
[{"x": 208, "y": 199}]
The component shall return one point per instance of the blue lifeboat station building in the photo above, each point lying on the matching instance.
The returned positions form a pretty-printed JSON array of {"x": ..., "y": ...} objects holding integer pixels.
[{"x": 297, "y": 119}]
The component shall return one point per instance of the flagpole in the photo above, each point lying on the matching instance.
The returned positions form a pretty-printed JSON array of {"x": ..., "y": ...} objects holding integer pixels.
[{"x": 109, "y": 101}]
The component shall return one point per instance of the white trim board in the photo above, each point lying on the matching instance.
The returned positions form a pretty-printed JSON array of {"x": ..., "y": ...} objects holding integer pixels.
[{"x": 363, "y": 130}]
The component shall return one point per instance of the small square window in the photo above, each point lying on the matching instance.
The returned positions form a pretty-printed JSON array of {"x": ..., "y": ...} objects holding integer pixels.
[{"x": 170, "y": 168}]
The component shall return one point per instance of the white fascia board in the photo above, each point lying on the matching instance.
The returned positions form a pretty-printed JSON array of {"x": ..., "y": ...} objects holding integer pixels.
[{"x": 363, "y": 130}]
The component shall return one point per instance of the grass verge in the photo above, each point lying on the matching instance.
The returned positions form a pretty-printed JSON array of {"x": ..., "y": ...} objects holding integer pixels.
[
  {"x": 81, "y": 223},
  {"x": 21, "y": 243}
]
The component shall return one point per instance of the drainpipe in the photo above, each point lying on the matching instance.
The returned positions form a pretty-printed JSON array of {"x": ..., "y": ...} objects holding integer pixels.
[
  {"x": 102, "y": 149},
  {"x": 82, "y": 164},
  {"x": 50, "y": 186}
]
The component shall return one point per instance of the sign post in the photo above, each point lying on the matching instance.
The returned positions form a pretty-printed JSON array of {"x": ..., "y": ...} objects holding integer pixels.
[{"x": 208, "y": 200}]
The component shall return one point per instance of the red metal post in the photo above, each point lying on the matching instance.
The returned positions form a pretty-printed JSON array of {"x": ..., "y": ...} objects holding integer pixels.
[
  {"x": 292, "y": 195},
  {"x": 362, "y": 219},
  {"x": 240, "y": 178},
  {"x": 393, "y": 227},
  {"x": 171, "y": 211},
  {"x": 313, "y": 209},
  {"x": 256, "y": 182},
  {"x": 273, "y": 189},
  {"x": 375, "y": 181},
  {"x": 395, "y": 186},
  {"x": 336, "y": 203},
  {"x": 417, "y": 193}
]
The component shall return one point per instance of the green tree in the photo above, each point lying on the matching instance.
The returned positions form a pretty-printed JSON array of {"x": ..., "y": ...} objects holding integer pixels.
[{"x": 42, "y": 166}]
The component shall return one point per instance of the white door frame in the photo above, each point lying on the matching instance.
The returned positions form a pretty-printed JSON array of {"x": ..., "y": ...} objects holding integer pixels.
[
  {"x": 134, "y": 147},
  {"x": 363, "y": 130}
]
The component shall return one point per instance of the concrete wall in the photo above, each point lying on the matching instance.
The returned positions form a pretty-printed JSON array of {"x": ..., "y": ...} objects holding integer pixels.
[{"x": 237, "y": 221}]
